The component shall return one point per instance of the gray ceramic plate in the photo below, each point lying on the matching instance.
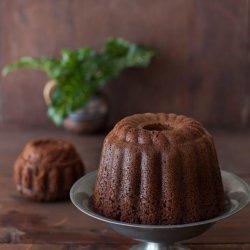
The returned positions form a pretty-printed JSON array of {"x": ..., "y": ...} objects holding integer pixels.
[{"x": 237, "y": 195}]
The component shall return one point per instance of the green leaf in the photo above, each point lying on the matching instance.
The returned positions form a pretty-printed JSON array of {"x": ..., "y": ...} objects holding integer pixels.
[
  {"x": 80, "y": 73},
  {"x": 138, "y": 56},
  {"x": 45, "y": 63},
  {"x": 116, "y": 47}
]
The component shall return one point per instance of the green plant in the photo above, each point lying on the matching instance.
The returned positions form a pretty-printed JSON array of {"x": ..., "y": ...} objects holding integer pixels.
[{"x": 80, "y": 73}]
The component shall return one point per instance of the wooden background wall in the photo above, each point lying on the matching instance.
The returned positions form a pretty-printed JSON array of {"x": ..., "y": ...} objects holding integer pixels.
[{"x": 202, "y": 67}]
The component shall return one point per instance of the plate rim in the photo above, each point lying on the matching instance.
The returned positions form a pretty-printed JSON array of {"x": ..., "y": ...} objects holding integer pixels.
[{"x": 99, "y": 217}]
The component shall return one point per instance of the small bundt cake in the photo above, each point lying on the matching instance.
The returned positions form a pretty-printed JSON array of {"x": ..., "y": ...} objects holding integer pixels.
[
  {"x": 158, "y": 169},
  {"x": 46, "y": 170}
]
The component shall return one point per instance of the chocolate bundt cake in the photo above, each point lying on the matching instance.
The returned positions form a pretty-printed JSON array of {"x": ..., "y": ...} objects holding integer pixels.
[
  {"x": 46, "y": 170},
  {"x": 158, "y": 169}
]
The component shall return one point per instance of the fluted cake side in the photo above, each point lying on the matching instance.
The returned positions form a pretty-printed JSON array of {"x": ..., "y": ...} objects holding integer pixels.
[
  {"x": 46, "y": 170},
  {"x": 158, "y": 169}
]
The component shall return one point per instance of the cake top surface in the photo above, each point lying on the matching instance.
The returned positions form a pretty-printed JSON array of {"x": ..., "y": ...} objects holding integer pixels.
[
  {"x": 49, "y": 151},
  {"x": 158, "y": 128}
]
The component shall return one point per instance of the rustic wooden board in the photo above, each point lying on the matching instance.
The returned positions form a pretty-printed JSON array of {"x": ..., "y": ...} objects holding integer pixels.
[
  {"x": 114, "y": 246},
  {"x": 201, "y": 68},
  {"x": 233, "y": 151},
  {"x": 30, "y": 224},
  {"x": 233, "y": 148}
]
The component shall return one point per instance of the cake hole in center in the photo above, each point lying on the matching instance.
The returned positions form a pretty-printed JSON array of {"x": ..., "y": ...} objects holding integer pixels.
[{"x": 157, "y": 127}]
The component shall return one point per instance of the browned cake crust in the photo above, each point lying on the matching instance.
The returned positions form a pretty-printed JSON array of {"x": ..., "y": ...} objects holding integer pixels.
[
  {"x": 158, "y": 169},
  {"x": 46, "y": 170}
]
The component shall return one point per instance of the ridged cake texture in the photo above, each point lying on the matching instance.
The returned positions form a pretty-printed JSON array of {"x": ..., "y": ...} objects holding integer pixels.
[
  {"x": 46, "y": 169},
  {"x": 158, "y": 169}
]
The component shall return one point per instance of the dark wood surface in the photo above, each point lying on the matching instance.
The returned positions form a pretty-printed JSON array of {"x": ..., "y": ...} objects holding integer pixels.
[
  {"x": 201, "y": 68},
  {"x": 59, "y": 225}
]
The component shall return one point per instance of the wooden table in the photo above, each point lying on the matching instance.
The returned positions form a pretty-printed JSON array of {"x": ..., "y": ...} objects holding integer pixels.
[{"x": 55, "y": 226}]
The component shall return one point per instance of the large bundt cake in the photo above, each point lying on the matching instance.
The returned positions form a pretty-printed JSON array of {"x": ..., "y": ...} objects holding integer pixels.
[
  {"x": 158, "y": 169},
  {"x": 46, "y": 170}
]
